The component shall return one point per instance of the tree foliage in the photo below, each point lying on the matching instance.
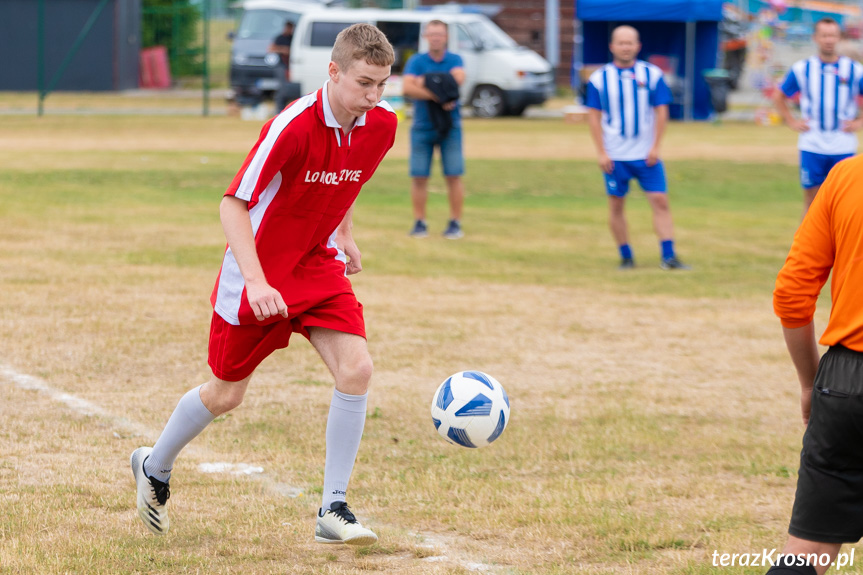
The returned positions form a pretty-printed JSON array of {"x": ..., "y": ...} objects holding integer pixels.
[{"x": 175, "y": 25}]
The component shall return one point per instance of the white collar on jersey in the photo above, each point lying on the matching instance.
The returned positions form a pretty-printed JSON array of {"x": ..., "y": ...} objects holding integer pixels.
[{"x": 330, "y": 118}]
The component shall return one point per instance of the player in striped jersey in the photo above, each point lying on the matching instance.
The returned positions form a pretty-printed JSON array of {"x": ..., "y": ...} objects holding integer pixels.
[
  {"x": 828, "y": 85},
  {"x": 287, "y": 219},
  {"x": 628, "y": 110}
]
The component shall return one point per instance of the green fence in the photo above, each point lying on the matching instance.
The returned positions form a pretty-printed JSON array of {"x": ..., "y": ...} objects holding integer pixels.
[
  {"x": 194, "y": 34},
  {"x": 196, "y": 37}
]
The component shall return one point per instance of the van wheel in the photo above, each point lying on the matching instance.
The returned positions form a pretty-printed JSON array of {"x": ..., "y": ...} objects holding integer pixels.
[{"x": 488, "y": 102}]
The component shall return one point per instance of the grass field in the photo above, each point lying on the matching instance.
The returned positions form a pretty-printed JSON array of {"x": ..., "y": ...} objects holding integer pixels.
[{"x": 654, "y": 415}]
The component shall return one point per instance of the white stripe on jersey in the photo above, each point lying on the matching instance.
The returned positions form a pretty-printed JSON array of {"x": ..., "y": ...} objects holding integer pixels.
[
  {"x": 231, "y": 282},
  {"x": 250, "y": 179},
  {"x": 340, "y": 254},
  {"x": 386, "y": 106}
]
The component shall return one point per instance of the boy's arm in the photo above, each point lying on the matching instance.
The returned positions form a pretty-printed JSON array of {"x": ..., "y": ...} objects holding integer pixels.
[
  {"x": 661, "y": 120},
  {"x": 779, "y": 101},
  {"x": 458, "y": 75},
  {"x": 594, "y": 122},
  {"x": 265, "y": 300},
  {"x": 781, "y": 94},
  {"x": 414, "y": 88},
  {"x": 803, "y": 349},
  {"x": 345, "y": 240}
]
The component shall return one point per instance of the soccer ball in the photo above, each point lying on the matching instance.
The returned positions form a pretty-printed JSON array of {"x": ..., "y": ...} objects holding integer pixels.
[{"x": 470, "y": 409}]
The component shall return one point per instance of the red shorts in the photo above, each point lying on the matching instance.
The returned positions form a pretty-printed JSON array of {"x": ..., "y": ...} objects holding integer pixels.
[{"x": 235, "y": 351}]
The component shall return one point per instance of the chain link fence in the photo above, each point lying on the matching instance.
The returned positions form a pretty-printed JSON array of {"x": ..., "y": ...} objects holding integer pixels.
[
  {"x": 191, "y": 42},
  {"x": 122, "y": 56}
]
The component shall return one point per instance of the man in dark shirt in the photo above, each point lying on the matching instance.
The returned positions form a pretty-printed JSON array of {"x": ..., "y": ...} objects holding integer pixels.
[{"x": 281, "y": 45}]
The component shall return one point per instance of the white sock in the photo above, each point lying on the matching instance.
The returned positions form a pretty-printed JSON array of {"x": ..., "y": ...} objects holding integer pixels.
[
  {"x": 344, "y": 432},
  {"x": 187, "y": 422}
]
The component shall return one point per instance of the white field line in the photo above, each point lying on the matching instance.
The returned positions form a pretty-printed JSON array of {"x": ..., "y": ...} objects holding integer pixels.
[
  {"x": 90, "y": 409},
  {"x": 134, "y": 429}
]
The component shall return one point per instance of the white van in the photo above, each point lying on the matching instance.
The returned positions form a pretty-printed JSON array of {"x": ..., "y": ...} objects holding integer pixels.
[
  {"x": 253, "y": 70},
  {"x": 501, "y": 76}
]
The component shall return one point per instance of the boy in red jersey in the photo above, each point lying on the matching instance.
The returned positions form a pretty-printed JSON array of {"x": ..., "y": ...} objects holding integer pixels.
[{"x": 287, "y": 219}]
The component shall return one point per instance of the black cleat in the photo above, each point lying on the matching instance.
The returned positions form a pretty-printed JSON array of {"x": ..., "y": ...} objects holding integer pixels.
[{"x": 673, "y": 264}]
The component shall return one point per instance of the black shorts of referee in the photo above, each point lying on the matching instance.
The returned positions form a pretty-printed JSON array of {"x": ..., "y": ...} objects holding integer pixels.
[{"x": 828, "y": 506}]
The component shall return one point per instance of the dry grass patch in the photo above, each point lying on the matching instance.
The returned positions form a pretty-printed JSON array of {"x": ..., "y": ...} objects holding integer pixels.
[
  {"x": 59, "y": 142},
  {"x": 650, "y": 426}
]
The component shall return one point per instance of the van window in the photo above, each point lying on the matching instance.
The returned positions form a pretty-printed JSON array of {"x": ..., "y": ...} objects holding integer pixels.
[
  {"x": 264, "y": 24},
  {"x": 490, "y": 36},
  {"x": 464, "y": 41},
  {"x": 404, "y": 36},
  {"x": 324, "y": 33}
]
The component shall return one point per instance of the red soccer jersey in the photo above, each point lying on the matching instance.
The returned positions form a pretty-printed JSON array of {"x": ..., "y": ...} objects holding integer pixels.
[{"x": 300, "y": 179}]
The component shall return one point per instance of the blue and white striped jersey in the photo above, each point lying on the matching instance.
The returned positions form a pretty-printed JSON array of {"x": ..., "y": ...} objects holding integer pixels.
[
  {"x": 627, "y": 98},
  {"x": 828, "y": 97}
]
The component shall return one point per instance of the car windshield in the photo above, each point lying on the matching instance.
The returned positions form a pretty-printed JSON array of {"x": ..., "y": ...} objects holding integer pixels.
[
  {"x": 490, "y": 35},
  {"x": 264, "y": 24}
]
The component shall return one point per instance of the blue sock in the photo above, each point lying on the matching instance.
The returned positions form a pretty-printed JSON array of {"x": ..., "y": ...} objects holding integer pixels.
[
  {"x": 625, "y": 252},
  {"x": 667, "y": 249}
]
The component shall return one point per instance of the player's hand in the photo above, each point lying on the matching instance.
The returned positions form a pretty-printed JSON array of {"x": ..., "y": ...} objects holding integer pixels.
[
  {"x": 799, "y": 125},
  {"x": 805, "y": 404},
  {"x": 449, "y": 105},
  {"x": 852, "y": 125},
  {"x": 606, "y": 164},
  {"x": 265, "y": 300},
  {"x": 349, "y": 246},
  {"x": 652, "y": 157}
]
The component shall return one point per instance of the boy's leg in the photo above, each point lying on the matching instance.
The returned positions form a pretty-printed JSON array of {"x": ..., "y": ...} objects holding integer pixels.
[
  {"x": 419, "y": 197},
  {"x": 455, "y": 193},
  {"x": 813, "y": 171},
  {"x": 803, "y": 548},
  {"x": 663, "y": 225},
  {"x": 827, "y": 504},
  {"x": 420, "y": 161},
  {"x": 152, "y": 467},
  {"x": 452, "y": 160},
  {"x": 617, "y": 219},
  {"x": 347, "y": 357},
  {"x": 652, "y": 181},
  {"x": 616, "y": 187},
  {"x": 195, "y": 411},
  {"x": 808, "y": 196},
  {"x": 233, "y": 354}
]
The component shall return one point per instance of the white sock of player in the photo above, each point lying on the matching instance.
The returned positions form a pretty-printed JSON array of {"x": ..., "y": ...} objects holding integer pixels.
[
  {"x": 187, "y": 422},
  {"x": 344, "y": 431}
]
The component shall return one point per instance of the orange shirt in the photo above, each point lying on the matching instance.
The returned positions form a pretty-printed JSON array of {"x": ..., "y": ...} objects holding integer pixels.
[{"x": 830, "y": 237}]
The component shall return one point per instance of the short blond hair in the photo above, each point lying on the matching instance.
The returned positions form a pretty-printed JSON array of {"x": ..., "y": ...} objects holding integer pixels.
[{"x": 362, "y": 42}]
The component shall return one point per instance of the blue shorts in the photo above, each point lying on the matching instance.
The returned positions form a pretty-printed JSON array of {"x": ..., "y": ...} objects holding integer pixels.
[
  {"x": 650, "y": 178},
  {"x": 423, "y": 143},
  {"x": 815, "y": 167}
]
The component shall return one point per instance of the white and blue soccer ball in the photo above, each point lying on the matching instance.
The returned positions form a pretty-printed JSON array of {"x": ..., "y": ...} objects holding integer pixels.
[{"x": 470, "y": 409}]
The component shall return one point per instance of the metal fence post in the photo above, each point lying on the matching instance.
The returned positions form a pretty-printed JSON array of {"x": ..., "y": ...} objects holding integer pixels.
[
  {"x": 44, "y": 90},
  {"x": 41, "y": 55},
  {"x": 206, "y": 59}
]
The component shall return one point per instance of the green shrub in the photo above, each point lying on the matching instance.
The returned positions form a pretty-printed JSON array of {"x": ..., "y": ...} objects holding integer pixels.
[{"x": 174, "y": 24}]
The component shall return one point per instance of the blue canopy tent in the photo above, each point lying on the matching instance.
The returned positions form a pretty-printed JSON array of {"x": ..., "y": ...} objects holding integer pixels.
[{"x": 681, "y": 36}]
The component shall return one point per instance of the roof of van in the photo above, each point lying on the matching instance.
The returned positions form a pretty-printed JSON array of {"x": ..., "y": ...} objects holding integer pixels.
[
  {"x": 293, "y": 5},
  {"x": 369, "y": 14}
]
